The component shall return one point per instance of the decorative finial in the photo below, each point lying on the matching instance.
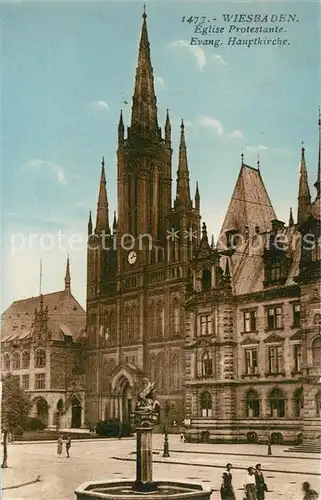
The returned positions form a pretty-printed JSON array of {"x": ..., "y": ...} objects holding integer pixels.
[
  {"x": 242, "y": 158},
  {"x": 182, "y": 125},
  {"x": 144, "y": 13},
  {"x": 319, "y": 122},
  {"x": 204, "y": 229},
  {"x": 103, "y": 162},
  {"x": 258, "y": 162}
]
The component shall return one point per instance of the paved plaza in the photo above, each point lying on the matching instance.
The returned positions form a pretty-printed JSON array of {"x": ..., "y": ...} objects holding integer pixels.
[{"x": 114, "y": 459}]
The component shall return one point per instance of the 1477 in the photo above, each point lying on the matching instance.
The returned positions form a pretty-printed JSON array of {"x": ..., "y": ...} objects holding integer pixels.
[{"x": 194, "y": 19}]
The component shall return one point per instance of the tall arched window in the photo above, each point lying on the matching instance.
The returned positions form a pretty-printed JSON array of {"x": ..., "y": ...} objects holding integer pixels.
[
  {"x": 277, "y": 403},
  {"x": 206, "y": 404},
  {"x": 105, "y": 377},
  {"x": 316, "y": 352},
  {"x": 25, "y": 359},
  {"x": 125, "y": 336},
  {"x": 175, "y": 317},
  {"x": 134, "y": 323},
  {"x": 252, "y": 404},
  {"x": 207, "y": 364},
  {"x": 206, "y": 279},
  {"x": 40, "y": 358},
  {"x": 318, "y": 403},
  {"x": 6, "y": 361},
  {"x": 298, "y": 402},
  {"x": 160, "y": 319},
  {"x": 160, "y": 374},
  {"x": 175, "y": 373},
  {"x": 16, "y": 361},
  {"x": 112, "y": 327},
  {"x": 92, "y": 378}
]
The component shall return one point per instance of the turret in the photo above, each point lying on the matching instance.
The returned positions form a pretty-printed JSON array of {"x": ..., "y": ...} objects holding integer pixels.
[
  {"x": 291, "y": 220},
  {"x": 121, "y": 129},
  {"x": 304, "y": 198},
  {"x": 183, "y": 197},
  {"x": 90, "y": 225},
  {"x": 168, "y": 130},
  {"x": 67, "y": 277},
  {"x": 197, "y": 198}
]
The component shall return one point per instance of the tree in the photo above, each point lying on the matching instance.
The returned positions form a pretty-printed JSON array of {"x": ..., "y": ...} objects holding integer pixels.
[{"x": 15, "y": 406}]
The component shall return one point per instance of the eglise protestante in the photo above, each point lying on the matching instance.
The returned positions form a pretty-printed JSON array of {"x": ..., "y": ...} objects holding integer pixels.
[{"x": 229, "y": 332}]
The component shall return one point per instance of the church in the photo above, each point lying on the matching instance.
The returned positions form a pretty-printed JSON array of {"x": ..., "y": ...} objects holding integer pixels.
[{"x": 228, "y": 330}]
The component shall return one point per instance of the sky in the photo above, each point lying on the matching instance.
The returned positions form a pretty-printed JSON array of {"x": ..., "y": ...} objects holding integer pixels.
[{"x": 67, "y": 71}]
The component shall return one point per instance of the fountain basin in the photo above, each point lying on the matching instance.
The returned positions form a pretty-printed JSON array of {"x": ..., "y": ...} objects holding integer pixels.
[{"x": 122, "y": 490}]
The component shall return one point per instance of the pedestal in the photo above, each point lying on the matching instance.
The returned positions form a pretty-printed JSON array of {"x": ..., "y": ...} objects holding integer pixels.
[{"x": 144, "y": 460}]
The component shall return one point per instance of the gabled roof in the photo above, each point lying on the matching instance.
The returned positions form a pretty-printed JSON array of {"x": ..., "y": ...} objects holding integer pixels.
[
  {"x": 250, "y": 204},
  {"x": 249, "y": 341},
  {"x": 297, "y": 336}
]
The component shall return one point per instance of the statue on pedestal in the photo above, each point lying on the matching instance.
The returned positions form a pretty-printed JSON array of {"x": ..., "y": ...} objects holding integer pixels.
[{"x": 147, "y": 408}]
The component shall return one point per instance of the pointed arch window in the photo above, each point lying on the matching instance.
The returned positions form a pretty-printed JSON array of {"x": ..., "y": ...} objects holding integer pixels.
[
  {"x": 112, "y": 326},
  {"x": 134, "y": 323},
  {"x": 16, "y": 361},
  {"x": 175, "y": 372},
  {"x": 160, "y": 376},
  {"x": 160, "y": 319},
  {"x": 105, "y": 384},
  {"x": 175, "y": 317},
  {"x": 252, "y": 404},
  {"x": 206, "y": 404},
  {"x": 126, "y": 316},
  {"x": 92, "y": 378},
  {"x": 207, "y": 364},
  {"x": 316, "y": 352}
]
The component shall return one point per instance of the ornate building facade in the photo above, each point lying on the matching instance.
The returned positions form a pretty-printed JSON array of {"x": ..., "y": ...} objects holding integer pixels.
[
  {"x": 230, "y": 333},
  {"x": 43, "y": 345}
]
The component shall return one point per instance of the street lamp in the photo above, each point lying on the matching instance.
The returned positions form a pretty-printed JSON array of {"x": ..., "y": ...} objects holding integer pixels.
[{"x": 166, "y": 448}]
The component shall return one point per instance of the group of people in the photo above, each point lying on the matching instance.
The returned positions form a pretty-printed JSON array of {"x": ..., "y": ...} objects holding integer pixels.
[
  {"x": 253, "y": 482},
  {"x": 61, "y": 441},
  {"x": 255, "y": 486}
]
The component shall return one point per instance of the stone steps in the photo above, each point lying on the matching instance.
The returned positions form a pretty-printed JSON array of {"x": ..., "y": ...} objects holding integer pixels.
[{"x": 308, "y": 446}]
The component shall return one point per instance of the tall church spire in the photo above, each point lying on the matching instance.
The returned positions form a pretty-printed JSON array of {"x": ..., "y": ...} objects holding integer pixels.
[
  {"x": 67, "y": 276},
  {"x": 144, "y": 109},
  {"x": 183, "y": 196},
  {"x": 317, "y": 184},
  {"x": 304, "y": 198},
  {"x": 102, "y": 220},
  {"x": 291, "y": 220}
]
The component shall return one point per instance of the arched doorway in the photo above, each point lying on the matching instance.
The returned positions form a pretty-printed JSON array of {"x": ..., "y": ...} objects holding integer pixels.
[
  {"x": 75, "y": 413},
  {"x": 126, "y": 402},
  {"x": 42, "y": 410}
]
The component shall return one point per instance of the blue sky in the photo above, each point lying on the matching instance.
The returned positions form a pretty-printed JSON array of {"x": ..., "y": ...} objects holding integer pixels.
[{"x": 67, "y": 69}]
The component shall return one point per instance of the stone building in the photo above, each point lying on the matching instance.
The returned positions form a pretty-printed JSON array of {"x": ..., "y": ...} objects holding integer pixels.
[
  {"x": 229, "y": 333},
  {"x": 253, "y": 344},
  {"x": 43, "y": 345}
]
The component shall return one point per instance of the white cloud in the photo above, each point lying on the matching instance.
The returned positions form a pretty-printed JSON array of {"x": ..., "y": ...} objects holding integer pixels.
[
  {"x": 43, "y": 164},
  {"x": 196, "y": 51},
  {"x": 100, "y": 105},
  {"x": 160, "y": 80},
  {"x": 218, "y": 59},
  {"x": 205, "y": 121},
  {"x": 237, "y": 134},
  {"x": 254, "y": 149}
]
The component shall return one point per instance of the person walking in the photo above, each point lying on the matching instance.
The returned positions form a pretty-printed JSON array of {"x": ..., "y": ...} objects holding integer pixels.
[
  {"x": 59, "y": 446},
  {"x": 250, "y": 492},
  {"x": 68, "y": 445},
  {"x": 261, "y": 486},
  {"x": 309, "y": 494},
  {"x": 182, "y": 437},
  {"x": 226, "y": 490}
]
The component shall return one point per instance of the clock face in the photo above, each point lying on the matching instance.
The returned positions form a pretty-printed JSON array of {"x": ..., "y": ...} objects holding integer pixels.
[{"x": 132, "y": 257}]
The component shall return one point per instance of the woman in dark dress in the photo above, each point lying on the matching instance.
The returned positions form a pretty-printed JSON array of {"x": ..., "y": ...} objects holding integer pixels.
[
  {"x": 226, "y": 490},
  {"x": 260, "y": 483}
]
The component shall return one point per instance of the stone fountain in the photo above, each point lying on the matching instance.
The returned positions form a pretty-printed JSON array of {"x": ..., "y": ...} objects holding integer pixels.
[{"x": 144, "y": 418}]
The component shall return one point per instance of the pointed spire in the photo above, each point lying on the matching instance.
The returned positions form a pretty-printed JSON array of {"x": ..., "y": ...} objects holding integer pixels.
[
  {"x": 183, "y": 196},
  {"x": 102, "y": 220},
  {"x": 67, "y": 276},
  {"x": 168, "y": 129},
  {"x": 144, "y": 109},
  {"x": 227, "y": 269},
  {"x": 197, "y": 198},
  {"x": 121, "y": 128},
  {"x": 291, "y": 220},
  {"x": 304, "y": 198},
  {"x": 90, "y": 225},
  {"x": 212, "y": 242},
  {"x": 317, "y": 184}
]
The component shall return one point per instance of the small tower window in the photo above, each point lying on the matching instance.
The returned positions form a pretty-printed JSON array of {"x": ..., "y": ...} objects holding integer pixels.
[{"x": 206, "y": 280}]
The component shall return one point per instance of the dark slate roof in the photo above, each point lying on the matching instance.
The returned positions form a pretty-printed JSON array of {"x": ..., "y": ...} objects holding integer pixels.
[{"x": 250, "y": 204}]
